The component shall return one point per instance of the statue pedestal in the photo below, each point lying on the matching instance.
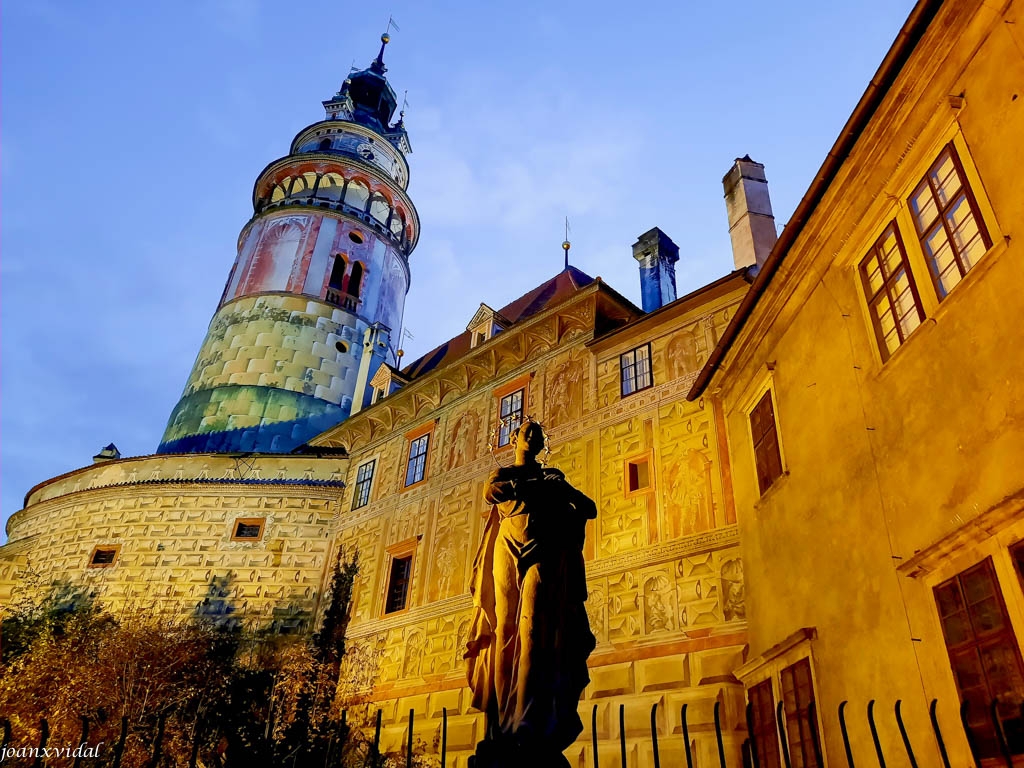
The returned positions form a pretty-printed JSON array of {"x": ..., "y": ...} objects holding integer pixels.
[{"x": 508, "y": 754}]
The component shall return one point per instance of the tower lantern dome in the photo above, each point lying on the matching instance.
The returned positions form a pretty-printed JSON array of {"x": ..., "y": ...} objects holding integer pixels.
[{"x": 322, "y": 263}]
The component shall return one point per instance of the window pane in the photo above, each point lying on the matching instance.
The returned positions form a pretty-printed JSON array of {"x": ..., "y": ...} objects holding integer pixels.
[
  {"x": 922, "y": 205},
  {"x": 945, "y": 178}
]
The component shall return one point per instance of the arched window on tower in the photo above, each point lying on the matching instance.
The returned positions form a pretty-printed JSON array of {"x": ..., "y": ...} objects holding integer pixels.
[
  {"x": 325, "y": 144},
  {"x": 336, "y": 282},
  {"x": 357, "y": 194},
  {"x": 379, "y": 207},
  {"x": 331, "y": 185},
  {"x": 398, "y": 223},
  {"x": 355, "y": 279},
  {"x": 278, "y": 194}
]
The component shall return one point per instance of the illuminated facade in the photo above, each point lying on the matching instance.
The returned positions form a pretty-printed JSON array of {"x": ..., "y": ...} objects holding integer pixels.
[{"x": 831, "y": 430}]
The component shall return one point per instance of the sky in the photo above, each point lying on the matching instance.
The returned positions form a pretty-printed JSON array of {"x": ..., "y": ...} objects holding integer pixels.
[{"x": 131, "y": 135}]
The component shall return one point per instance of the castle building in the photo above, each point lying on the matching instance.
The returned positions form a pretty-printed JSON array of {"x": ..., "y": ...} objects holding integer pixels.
[{"x": 831, "y": 429}]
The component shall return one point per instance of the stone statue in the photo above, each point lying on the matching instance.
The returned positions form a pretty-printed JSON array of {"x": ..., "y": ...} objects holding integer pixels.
[{"x": 529, "y": 641}]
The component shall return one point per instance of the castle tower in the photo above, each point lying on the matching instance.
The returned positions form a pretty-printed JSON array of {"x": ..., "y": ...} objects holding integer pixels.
[{"x": 324, "y": 257}]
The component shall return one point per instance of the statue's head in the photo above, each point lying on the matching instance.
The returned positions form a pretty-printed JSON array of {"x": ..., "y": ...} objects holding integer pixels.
[{"x": 529, "y": 439}]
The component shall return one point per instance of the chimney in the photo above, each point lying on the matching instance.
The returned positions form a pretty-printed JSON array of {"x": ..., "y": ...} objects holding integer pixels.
[
  {"x": 108, "y": 453},
  {"x": 751, "y": 223},
  {"x": 376, "y": 342},
  {"x": 657, "y": 255}
]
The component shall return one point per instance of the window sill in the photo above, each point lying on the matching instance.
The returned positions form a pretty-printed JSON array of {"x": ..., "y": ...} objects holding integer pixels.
[{"x": 635, "y": 392}]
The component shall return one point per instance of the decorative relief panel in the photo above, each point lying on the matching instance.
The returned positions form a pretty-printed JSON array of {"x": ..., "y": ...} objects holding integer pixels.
[
  {"x": 564, "y": 393},
  {"x": 465, "y": 436},
  {"x": 452, "y": 542}
]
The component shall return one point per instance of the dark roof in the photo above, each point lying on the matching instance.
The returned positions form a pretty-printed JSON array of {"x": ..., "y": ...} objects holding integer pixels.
[{"x": 547, "y": 294}]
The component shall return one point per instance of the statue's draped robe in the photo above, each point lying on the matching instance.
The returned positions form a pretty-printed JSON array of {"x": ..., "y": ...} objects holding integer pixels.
[{"x": 530, "y": 639}]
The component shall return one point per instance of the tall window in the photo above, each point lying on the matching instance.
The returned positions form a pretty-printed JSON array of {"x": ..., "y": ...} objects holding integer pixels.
[
  {"x": 797, "y": 695},
  {"x": 355, "y": 278},
  {"x": 892, "y": 295},
  {"x": 984, "y": 656},
  {"x": 635, "y": 366},
  {"x": 953, "y": 236},
  {"x": 766, "y": 739},
  {"x": 398, "y": 584},
  {"x": 364, "y": 479},
  {"x": 763, "y": 430},
  {"x": 417, "y": 465},
  {"x": 510, "y": 414}
]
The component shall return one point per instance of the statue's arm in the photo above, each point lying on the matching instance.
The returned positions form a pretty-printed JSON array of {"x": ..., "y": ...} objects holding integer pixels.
[
  {"x": 583, "y": 504},
  {"x": 499, "y": 488}
]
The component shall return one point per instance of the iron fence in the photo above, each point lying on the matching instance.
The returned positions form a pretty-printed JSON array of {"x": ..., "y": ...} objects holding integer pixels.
[{"x": 374, "y": 757}]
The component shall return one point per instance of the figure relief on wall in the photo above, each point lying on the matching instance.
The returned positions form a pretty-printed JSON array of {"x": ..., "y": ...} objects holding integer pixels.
[
  {"x": 688, "y": 500},
  {"x": 464, "y": 439},
  {"x": 565, "y": 392},
  {"x": 659, "y": 604},
  {"x": 444, "y": 567},
  {"x": 413, "y": 655},
  {"x": 734, "y": 605},
  {"x": 681, "y": 355}
]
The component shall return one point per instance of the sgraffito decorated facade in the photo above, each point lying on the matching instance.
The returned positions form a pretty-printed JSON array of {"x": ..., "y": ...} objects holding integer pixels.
[{"x": 833, "y": 429}]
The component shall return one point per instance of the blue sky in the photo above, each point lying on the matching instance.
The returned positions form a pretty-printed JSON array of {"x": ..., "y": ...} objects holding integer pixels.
[{"x": 132, "y": 133}]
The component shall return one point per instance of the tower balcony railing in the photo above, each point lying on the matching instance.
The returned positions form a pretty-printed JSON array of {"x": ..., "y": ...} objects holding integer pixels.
[
  {"x": 339, "y": 299},
  {"x": 400, "y": 243}
]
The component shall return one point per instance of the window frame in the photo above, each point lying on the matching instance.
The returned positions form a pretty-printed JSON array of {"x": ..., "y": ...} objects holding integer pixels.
[
  {"x": 115, "y": 548},
  {"x": 499, "y": 394},
  {"x": 403, "y": 550},
  {"x": 755, "y": 441},
  {"x": 424, "y": 432},
  {"x": 799, "y": 742},
  {"x": 505, "y": 432},
  {"x": 359, "y": 499},
  {"x": 645, "y": 457},
  {"x": 259, "y": 522},
  {"x": 633, "y": 366},
  {"x": 887, "y": 288},
  {"x": 765, "y": 734},
  {"x": 1006, "y": 634},
  {"x": 940, "y": 218}
]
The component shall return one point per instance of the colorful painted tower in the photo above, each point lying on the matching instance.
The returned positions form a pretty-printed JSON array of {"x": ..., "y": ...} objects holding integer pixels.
[{"x": 314, "y": 302}]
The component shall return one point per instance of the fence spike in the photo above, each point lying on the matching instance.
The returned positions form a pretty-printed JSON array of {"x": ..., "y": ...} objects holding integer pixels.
[
  {"x": 160, "y": 723},
  {"x": 593, "y": 734},
  {"x": 933, "y": 715},
  {"x": 44, "y": 736},
  {"x": 969, "y": 732},
  {"x": 750, "y": 736},
  {"x": 444, "y": 735},
  {"x": 686, "y": 738},
  {"x": 119, "y": 749},
  {"x": 780, "y": 723},
  {"x": 846, "y": 735},
  {"x": 903, "y": 733},
  {"x": 7, "y": 734},
  {"x": 375, "y": 748},
  {"x": 993, "y": 710},
  {"x": 718, "y": 734},
  {"x": 812, "y": 721},
  {"x": 408, "y": 749},
  {"x": 622, "y": 734},
  {"x": 82, "y": 740},
  {"x": 874, "y": 733},
  {"x": 654, "y": 734}
]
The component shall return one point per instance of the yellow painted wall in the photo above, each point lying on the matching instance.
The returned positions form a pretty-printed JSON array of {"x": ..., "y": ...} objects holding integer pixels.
[
  {"x": 890, "y": 465},
  {"x": 666, "y": 582}
]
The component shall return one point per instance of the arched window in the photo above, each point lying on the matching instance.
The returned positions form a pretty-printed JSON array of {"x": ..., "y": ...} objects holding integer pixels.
[
  {"x": 325, "y": 144},
  {"x": 398, "y": 223},
  {"x": 357, "y": 194},
  {"x": 277, "y": 194},
  {"x": 331, "y": 185},
  {"x": 354, "y": 279},
  {"x": 337, "y": 272},
  {"x": 379, "y": 207}
]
